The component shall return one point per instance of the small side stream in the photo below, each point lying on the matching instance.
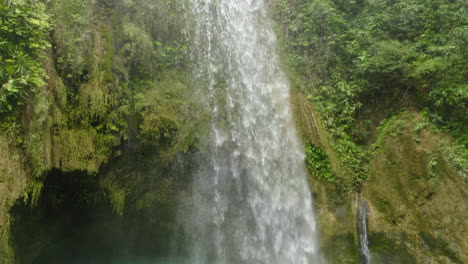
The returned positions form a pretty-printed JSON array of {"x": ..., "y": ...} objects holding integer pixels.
[{"x": 362, "y": 215}]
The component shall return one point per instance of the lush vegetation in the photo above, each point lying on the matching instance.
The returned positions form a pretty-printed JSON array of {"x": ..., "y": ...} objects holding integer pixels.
[
  {"x": 86, "y": 82},
  {"x": 82, "y": 82},
  {"x": 24, "y": 29},
  {"x": 361, "y": 62},
  {"x": 318, "y": 163},
  {"x": 81, "y": 78}
]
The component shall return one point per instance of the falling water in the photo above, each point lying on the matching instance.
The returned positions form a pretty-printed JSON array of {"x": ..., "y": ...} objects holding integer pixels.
[
  {"x": 362, "y": 212},
  {"x": 250, "y": 201}
]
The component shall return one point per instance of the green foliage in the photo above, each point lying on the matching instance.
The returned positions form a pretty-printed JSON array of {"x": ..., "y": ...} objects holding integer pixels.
[
  {"x": 153, "y": 40},
  {"x": 6, "y": 250},
  {"x": 433, "y": 167},
  {"x": 162, "y": 20},
  {"x": 139, "y": 49},
  {"x": 109, "y": 53},
  {"x": 388, "y": 127},
  {"x": 339, "y": 103},
  {"x": 318, "y": 163},
  {"x": 32, "y": 193},
  {"x": 354, "y": 159},
  {"x": 386, "y": 49},
  {"x": 168, "y": 113},
  {"x": 71, "y": 34},
  {"x": 356, "y": 57},
  {"x": 116, "y": 71},
  {"x": 313, "y": 30},
  {"x": 24, "y": 27},
  {"x": 13, "y": 129},
  {"x": 117, "y": 199},
  {"x": 457, "y": 155},
  {"x": 453, "y": 152},
  {"x": 417, "y": 46},
  {"x": 147, "y": 57}
]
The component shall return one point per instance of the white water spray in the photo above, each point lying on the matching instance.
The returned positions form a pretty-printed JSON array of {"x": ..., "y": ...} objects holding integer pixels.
[
  {"x": 362, "y": 212},
  {"x": 250, "y": 199}
]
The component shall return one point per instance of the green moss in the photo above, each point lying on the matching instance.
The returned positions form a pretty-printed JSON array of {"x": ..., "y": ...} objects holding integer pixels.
[
  {"x": 76, "y": 150},
  {"x": 170, "y": 115},
  {"x": 94, "y": 98},
  {"x": 389, "y": 250},
  {"x": 35, "y": 137},
  {"x": 440, "y": 247},
  {"x": 7, "y": 252},
  {"x": 117, "y": 198},
  {"x": 32, "y": 192},
  {"x": 414, "y": 191},
  {"x": 13, "y": 183},
  {"x": 395, "y": 126},
  {"x": 343, "y": 249},
  {"x": 79, "y": 120},
  {"x": 333, "y": 201},
  {"x": 109, "y": 53},
  {"x": 72, "y": 33}
]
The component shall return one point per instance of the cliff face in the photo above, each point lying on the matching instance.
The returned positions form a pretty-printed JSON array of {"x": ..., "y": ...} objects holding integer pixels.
[
  {"x": 373, "y": 124},
  {"x": 334, "y": 207},
  {"x": 102, "y": 132},
  {"x": 415, "y": 188},
  {"x": 13, "y": 179},
  {"x": 417, "y": 196},
  {"x": 117, "y": 126}
]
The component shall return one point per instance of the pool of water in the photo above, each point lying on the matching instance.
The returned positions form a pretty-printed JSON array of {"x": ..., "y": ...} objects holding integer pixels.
[
  {"x": 126, "y": 260},
  {"x": 133, "y": 260}
]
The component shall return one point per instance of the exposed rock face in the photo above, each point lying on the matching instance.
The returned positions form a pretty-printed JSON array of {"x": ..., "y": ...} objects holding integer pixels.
[
  {"x": 415, "y": 191},
  {"x": 335, "y": 213},
  {"x": 418, "y": 201}
]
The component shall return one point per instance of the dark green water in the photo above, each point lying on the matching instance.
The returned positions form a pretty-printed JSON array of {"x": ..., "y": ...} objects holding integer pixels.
[
  {"x": 129, "y": 260},
  {"x": 149, "y": 261}
]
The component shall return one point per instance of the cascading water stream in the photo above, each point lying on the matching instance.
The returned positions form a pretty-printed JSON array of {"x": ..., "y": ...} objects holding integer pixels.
[
  {"x": 250, "y": 199},
  {"x": 362, "y": 211}
]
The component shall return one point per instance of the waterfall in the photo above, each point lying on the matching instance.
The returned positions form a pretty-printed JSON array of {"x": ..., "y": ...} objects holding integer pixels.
[
  {"x": 250, "y": 200},
  {"x": 362, "y": 211}
]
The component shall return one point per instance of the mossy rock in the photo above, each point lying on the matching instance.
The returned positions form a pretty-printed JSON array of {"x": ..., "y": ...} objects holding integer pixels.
[
  {"x": 13, "y": 182},
  {"x": 389, "y": 249},
  {"x": 76, "y": 149},
  {"x": 416, "y": 195}
]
